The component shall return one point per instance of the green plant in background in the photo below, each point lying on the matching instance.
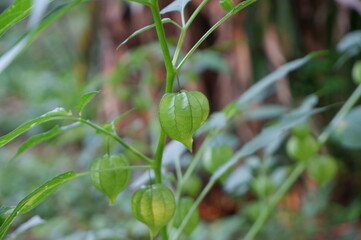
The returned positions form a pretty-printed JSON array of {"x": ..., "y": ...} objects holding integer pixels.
[{"x": 183, "y": 115}]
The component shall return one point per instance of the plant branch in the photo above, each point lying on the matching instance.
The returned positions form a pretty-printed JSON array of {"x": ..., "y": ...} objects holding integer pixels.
[
  {"x": 340, "y": 115},
  {"x": 238, "y": 8},
  {"x": 266, "y": 211},
  {"x": 168, "y": 89},
  {"x": 113, "y": 169},
  {"x": 116, "y": 138},
  {"x": 184, "y": 30}
]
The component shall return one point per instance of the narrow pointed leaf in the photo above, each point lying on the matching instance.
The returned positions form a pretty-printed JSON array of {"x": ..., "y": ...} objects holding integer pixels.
[
  {"x": 14, "y": 13},
  {"x": 7, "y": 58},
  {"x": 34, "y": 198},
  {"x": 37, "y": 139},
  {"x": 57, "y": 113},
  {"x": 144, "y": 2},
  {"x": 257, "y": 91},
  {"x": 176, "y": 6},
  {"x": 227, "y": 5},
  {"x": 85, "y": 99},
  {"x": 143, "y": 29},
  {"x": 117, "y": 119}
]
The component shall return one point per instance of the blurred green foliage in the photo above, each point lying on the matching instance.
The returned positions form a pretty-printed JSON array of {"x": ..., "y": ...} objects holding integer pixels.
[{"x": 43, "y": 78}]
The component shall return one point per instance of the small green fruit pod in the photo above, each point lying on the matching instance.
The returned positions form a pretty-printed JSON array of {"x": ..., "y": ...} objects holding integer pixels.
[
  {"x": 302, "y": 146},
  {"x": 322, "y": 168},
  {"x": 153, "y": 205},
  {"x": 111, "y": 175},
  {"x": 262, "y": 186},
  {"x": 181, "y": 114},
  {"x": 215, "y": 157}
]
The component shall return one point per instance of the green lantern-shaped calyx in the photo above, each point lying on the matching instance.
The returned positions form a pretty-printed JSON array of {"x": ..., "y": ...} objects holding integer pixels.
[
  {"x": 153, "y": 205},
  {"x": 181, "y": 114},
  {"x": 108, "y": 181},
  {"x": 215, "y": 157},
  {"x": 302, "y": 145},
  {"x": 322, "y": 168}
]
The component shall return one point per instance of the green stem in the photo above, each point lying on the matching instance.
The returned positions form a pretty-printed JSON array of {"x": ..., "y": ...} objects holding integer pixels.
[
  {"x": 340, "y": 115},
  {"x": 262, "y": 218},
  {"x": 179, "y": 45},
  {"x": 185, "y": 29},
  {"x": 201, "y": 196},
  {"x": 195, "y": 13},
  {"x": 158, "y": 157},
  {"x": 297, "y": 172},
  {"x": 169, "y": 84},
  {"x": 112, "y": 169},
  {"x": 168, "y": 89},
  {"x": 105, "y": 132},
  {"x": 116, "y": 138},
  {"x": 238, "y": 8},
  {"x": 163, "y": 45}
]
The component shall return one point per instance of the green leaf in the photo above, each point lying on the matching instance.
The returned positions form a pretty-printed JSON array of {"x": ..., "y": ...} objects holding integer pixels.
[
  {"x": 85, "y": 99},
  {"x": 14, "y": 13},
  {"x": 273, "y": 133},
  {"x": 348, "y": 131},
  {"x": 350, "y": 43},
  {"x": 4, "y": 213},
  {"x": 144, "y": 2},
  {"x": 176, "y": 6},
  {"x": 265, "y": 112},
  {"x": 181, "y": 114},
  {"x": 227, "y": 5},
  {"x": 57, "y": 113},
  {"x": 117, "y": 119},
  {"x": 143, "y": 29},
  {"x": 34, "y": 198},
  {"x": 31, "y": 35},
  {"x": 258, "y": 91},
  {"x": 35, "y": 140},
  {"x": 217, "y": 120}
]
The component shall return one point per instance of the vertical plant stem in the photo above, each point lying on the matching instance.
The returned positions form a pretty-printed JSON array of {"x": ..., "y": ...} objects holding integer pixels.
[
  {"x": 168, "y": 89},
  {"x": 185, "y": 29},
  {"x": 163, "y": 45},
  {"x": 169, "y": 83},
  {"x": 299, "y": 169}
]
